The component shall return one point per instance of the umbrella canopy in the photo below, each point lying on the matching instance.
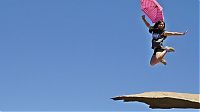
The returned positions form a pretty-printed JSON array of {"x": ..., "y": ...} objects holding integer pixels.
[{"x": 152, "y": 9}]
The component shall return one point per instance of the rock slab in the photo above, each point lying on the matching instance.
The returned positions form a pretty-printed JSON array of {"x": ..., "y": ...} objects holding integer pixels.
[{"x": 164, "y": 100}]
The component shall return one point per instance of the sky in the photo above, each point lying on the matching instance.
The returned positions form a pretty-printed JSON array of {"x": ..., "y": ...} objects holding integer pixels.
[{"x": 74, "y": 55}]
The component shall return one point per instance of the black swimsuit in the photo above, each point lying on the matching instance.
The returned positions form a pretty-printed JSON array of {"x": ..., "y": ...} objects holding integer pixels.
[{"x": 157, "y": 42}]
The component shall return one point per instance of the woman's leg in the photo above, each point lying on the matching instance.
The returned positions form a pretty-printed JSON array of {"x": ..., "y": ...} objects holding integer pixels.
[
  {"x": 160, "y": 55},
  {"x": 154, "y": 60}
]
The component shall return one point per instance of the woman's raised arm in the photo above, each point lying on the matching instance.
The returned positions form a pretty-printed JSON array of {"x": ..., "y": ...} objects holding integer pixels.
[{"x": 145, "y": 21}]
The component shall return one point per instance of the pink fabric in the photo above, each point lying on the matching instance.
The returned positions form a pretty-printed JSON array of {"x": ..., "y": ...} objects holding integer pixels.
[{"x": 152, "y": 9}]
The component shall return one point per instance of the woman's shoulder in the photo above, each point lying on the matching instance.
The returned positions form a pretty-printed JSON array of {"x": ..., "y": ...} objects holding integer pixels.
[{"x": 151, "y": 29}]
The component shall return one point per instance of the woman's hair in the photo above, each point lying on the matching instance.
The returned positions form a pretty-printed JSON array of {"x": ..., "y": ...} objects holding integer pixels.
[{"x": 155, "y": 29}]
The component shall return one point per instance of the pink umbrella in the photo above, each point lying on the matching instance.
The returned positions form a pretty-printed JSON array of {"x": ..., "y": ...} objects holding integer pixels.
[{"x": 152, "y": 9}]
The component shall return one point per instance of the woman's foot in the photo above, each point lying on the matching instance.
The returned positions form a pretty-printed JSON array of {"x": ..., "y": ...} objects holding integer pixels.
[
  {"x": 169, "y": 49},
  {"x": 163, "y": 61}
]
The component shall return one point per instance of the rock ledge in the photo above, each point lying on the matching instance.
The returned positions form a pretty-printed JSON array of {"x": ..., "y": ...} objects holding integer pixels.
[{"x": 164, "y": 100}]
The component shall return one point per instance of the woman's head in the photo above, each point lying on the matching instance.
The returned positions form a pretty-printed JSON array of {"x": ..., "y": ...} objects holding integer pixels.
[{"x": 158, "y": 27}]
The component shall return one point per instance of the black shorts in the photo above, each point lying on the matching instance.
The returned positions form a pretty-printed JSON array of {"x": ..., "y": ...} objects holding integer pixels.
[{"x": 159, "y": 49}]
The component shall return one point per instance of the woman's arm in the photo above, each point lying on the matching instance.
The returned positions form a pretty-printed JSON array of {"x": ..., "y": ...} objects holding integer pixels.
[
  {"x": 166, "y": 33},
  {"x": 145, "y": 21}
]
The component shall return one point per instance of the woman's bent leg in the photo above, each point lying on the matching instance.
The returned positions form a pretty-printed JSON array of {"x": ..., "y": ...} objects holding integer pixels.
[
  {"x": 154, "y": 60},
  {"x": 160, "y": 55}
]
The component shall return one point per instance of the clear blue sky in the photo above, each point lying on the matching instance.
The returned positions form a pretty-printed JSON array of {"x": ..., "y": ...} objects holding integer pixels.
[{"x": 77, "y": 54}]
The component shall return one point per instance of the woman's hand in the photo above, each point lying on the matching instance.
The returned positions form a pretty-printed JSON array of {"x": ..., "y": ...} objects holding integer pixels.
[
  {"x": 143, "y": 17},
  {"x": 185, "y": 32}
]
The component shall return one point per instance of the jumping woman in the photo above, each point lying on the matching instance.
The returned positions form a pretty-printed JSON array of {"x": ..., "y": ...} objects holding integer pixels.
[{"x": 158, "y": 36}]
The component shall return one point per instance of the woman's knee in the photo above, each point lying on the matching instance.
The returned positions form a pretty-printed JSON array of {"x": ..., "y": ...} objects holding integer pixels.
[
  {"x": 153, "y": 61},
  {"x": 152, "y": 64},
  {"x": 159, "y": 56}
]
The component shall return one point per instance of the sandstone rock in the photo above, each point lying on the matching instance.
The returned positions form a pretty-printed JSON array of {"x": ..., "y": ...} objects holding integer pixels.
[{"x": 164, "y": 100}]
